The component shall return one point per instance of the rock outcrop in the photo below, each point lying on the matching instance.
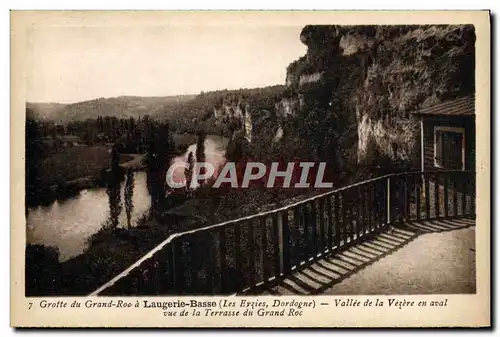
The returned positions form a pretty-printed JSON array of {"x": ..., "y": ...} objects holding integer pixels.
[{"x": 381, "y": 74}]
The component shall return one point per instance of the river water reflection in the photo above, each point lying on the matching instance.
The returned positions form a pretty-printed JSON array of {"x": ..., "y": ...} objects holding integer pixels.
[{"x": 67, "y": 224}]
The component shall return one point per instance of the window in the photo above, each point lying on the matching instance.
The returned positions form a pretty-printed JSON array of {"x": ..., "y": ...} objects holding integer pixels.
[{"x": 449, "y": 149}]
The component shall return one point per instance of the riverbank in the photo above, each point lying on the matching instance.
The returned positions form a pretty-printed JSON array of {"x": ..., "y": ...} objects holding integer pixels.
[
  {"x": 73, "y": 163},
  {"x": 136, "y": 163},
  {"x": 66, "y": 173},
  {"x": 128, "y": 161},
  {"x": 109, "y": 253}
]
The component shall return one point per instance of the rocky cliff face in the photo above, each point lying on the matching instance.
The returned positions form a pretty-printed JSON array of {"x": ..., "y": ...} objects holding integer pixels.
[
  {"x": 288, "y": 106},
  {"x": 244, "y": 118},
  {"x": 381, "y": 74}
]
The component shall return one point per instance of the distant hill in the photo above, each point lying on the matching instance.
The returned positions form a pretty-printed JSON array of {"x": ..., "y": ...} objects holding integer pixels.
[
  {"x": 45, "y": 110},
  {"x": 120, "y": 107}
]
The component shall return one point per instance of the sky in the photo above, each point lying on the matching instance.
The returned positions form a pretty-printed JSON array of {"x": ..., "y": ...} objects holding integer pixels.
[{"x": 71, "y": 64}]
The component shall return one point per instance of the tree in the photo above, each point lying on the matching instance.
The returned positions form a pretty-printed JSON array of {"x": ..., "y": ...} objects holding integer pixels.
[
  {"x": 33, "y": 158},
  {"x": 200, "y": 151},
  {"x": 115, "y": 159},
  {"x": 129, "y": 192},
  {"x": 188, "y": 173},
  {"x": 114, "y": 199},
  {"x": 160, "y": 150}
]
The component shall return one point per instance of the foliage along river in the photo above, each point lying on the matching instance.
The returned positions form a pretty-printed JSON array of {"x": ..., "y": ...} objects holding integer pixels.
[{"x": 67, "y": 224}]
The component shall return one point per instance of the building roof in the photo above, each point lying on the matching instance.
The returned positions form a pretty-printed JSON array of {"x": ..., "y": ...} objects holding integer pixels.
[{"x": 462, "y": 106}]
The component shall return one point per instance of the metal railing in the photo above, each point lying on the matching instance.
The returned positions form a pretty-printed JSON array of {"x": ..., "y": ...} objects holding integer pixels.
[{"x": 251, "y": 252}]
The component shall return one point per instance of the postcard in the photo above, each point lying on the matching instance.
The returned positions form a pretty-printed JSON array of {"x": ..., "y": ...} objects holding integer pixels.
[{"x": 250, "y": 169}]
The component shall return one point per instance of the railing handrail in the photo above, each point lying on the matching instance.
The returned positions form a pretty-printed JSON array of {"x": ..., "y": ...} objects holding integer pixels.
[{"x": 171, "y": 237}]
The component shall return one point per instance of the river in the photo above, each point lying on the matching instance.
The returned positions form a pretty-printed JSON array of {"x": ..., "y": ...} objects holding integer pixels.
[{"x": 67, "y": 224}]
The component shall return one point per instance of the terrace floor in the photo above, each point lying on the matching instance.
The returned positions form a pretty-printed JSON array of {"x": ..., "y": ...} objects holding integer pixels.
[{"x": 427, "y": 257}]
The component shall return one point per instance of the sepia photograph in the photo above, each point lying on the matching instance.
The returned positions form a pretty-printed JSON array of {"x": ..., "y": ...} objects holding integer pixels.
[{"x": 250, "y": 160}]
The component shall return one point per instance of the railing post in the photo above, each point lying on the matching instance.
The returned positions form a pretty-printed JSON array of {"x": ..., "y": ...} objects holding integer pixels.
[
  {"x": 314, "y": 230},
  {"x": 251, "y": 249},
  {"x": 371, "y": 206},
  {"x": 330, "y": 222},
  {"x": 388, "y": 200},
  {"x": 158, "y": 271},
  {"x": 265, "y": 261},
  {"x": 211, "y": 282},
  {"x": 177, "y": 267},
  {"x": 437, "y": 195},
  {"x": 463, "y": 186},
  {"x": 359, "y": 218},
  {"x": 336, "y": 211},
  {"x": 407, "y": 191},
  {"x": 343, "y": 225},
  {"x": 222, "y": 259},
  {"x": 445, "y": 189},
  {"x": 473, "y": 194},
  {"x": 285, "y": 244},
  {"x": 306, "y": 240},
  {"x": 192, "y": 247},
  {"x": 297, "y": 238},
  {"x": 237, "y": 279},
  {"x": 378, "y": 204},
  {"x": 276, "y": 219},
  {"x": 427, "y": 196},
  {"x": 454, "y": 194},
  {"x": 418, "y": 195},
  {"x": 280, "y": 252},
  {"x": 322, "y": 240}
]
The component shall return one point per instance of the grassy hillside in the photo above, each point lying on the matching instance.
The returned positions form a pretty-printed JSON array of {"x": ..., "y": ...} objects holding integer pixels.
[
  {"x": 45, "y": 110},
  {"x": 184, "y": 111},
  {"x": 74, "y": 163},
  {"x": 120, "y": 107}
]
